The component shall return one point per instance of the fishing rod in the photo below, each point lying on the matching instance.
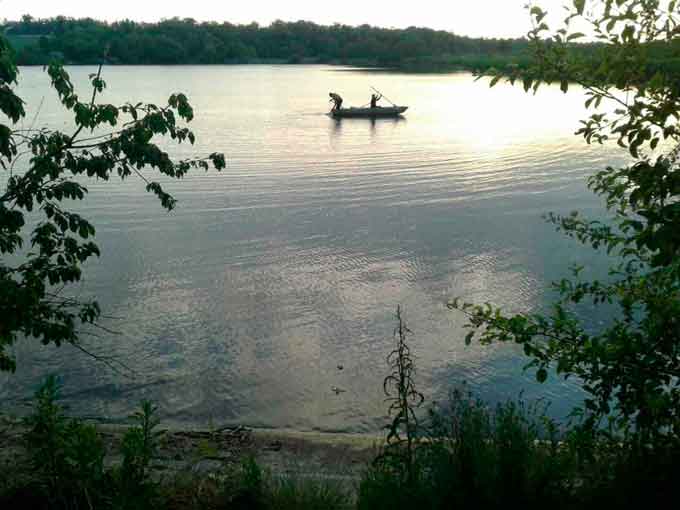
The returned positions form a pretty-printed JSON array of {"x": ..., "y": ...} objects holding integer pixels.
[{"x": 383, "y": 95}]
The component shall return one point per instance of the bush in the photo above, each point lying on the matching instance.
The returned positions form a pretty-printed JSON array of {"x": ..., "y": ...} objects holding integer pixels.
[
  {"x": 66, "y": 457},
  {"x": 476, "y": 456},
  {"x": 132, "y": 487},
  {"x": 466, "y": 454},
  {"x": 512, "y": 456},
  {"x": 627, "y": 474}
]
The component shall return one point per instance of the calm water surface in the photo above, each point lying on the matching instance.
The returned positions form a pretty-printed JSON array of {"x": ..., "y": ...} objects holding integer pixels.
[{"x": 238, "y": 306}]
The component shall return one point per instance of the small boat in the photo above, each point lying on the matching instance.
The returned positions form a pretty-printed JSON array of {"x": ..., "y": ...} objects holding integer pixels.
[{"x": 378, "y": 111}]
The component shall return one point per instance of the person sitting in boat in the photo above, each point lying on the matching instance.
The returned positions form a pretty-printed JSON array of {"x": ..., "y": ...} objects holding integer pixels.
[
  {"x": 337, "y": 101},
  {"x": 374, "y": 99}
]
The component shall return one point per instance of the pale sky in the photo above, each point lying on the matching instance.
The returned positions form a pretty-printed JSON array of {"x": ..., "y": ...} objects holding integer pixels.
[{"x": 476, "y": 18}]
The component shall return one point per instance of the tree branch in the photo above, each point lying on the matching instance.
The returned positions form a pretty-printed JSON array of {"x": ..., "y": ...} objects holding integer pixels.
[{"x": 94, "y": 95}]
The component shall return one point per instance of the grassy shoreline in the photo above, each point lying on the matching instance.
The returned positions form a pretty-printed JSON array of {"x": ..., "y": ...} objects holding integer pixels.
[
  {"x": 465, "y": 454},
  {"x": 320, "y": 456}
]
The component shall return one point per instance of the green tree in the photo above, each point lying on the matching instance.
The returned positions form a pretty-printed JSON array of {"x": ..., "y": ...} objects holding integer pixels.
[
  {"x": 185, "y": 41},
  {"x": 34, "y": 300},
  {"x": 630, "y": 366}
]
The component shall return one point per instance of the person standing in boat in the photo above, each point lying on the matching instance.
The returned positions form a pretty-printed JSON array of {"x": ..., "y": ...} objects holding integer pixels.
[
  {"x": 337, "y": 101},
  {"x": 374, "y": 99}
]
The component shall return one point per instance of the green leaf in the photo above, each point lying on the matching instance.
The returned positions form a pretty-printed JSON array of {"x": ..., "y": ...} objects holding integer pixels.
[
  {"x": 579, "y": 5},
  {"x": 537, "y": 13},
  {"x": 541, "y": 375}
]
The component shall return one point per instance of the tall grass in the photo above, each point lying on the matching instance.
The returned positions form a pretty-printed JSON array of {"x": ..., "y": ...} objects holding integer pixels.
[
  {"x": 474, "y": 455},
  {"x": 249, "y": 487}
]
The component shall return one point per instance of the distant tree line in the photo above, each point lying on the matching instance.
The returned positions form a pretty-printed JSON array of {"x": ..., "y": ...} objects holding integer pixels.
[{"x": 186, "y": 41}]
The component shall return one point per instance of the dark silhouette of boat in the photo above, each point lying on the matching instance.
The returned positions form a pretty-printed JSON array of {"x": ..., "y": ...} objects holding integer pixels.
[{"x": 378, "y": 111}]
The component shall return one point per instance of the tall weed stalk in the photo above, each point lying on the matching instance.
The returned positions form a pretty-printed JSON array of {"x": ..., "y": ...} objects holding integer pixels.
[{"x": 403, "y": 399}]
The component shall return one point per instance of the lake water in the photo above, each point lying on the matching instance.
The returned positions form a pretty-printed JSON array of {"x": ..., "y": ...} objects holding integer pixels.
[{"x": 239, "y": 306}]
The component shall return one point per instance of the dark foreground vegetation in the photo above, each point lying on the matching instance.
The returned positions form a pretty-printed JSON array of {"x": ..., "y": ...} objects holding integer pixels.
[{"x": 461, "y": 454}]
